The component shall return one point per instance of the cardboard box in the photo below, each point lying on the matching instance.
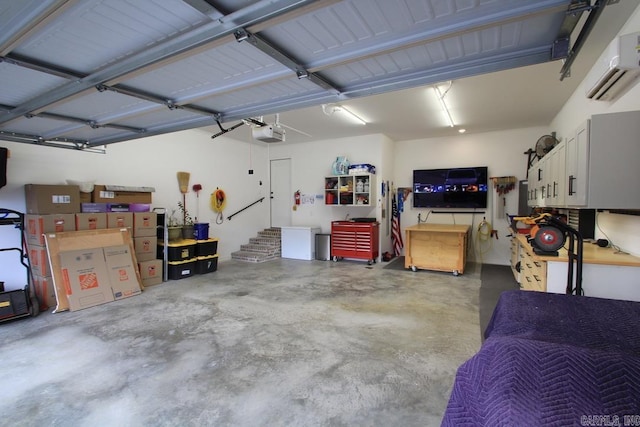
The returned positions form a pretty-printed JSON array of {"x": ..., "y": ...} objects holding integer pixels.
[
  {"x": 85, "y": 197},
  {"x": 102, "y": 195},
  {"x": 91, "y": 221},
  {"x": 145, "y": 247},
  {"x": 39, "y": 260},
  {"x": 85, "y": 278},
  {"x": 151, "y": 272},
  {"x": 121, "y": 267},
  {"x": 37, "y": 225},
  {"x": 93, "y": 207},
  {"x": 45, "y": 291},
  {"x": 145, "y": 224},
  {"x": 120, "y": 220},
  {"x": 58, "y": 243},
  {"x": 51, "y": 199}
]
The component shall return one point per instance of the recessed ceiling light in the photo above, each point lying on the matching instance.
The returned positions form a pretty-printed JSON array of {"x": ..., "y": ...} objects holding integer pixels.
[{"x": 462, "y": 130}]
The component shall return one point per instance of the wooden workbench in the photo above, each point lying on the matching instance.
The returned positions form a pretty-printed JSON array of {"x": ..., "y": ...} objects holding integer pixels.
[{"x": 440, "y": 247}]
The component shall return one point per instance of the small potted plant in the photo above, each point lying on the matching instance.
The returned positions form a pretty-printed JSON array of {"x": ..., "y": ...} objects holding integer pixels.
[
  {"x": 187, "y": 222},
  {"x": 174, "y": 228}
]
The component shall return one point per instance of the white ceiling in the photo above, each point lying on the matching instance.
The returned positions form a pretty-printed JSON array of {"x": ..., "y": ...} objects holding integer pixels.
[{"x": 86, "y": 73}]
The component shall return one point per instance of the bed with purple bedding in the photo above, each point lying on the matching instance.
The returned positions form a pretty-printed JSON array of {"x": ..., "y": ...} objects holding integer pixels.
[{"x": 552, "y": 360}]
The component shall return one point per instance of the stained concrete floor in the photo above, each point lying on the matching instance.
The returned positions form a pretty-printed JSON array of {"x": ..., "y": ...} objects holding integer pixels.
[{"x": 283, "y": 343}]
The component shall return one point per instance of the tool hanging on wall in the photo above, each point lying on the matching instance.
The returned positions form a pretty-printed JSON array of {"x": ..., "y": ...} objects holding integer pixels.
[
  {"x": 504, "y": 184},
  {"x": 218, "y": 203},
  {"x": 196, "y": 188},
  {"x": 183, "y": 183}
]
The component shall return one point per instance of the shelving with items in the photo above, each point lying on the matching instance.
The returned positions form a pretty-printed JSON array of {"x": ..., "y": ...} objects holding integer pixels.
[{"x": 350, "y": 190}]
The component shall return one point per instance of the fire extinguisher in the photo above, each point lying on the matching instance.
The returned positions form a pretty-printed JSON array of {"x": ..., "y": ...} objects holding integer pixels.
[{"x": 296, "y": 197}]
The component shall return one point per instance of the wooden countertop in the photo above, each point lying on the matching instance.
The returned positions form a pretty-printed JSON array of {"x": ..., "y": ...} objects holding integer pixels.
[
  {"x": 591, "y": 254},
  {"x": 444, "y": 228}
]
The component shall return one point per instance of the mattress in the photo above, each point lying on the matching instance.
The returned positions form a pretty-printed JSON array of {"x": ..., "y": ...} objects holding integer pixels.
[
  {"x": 552, "y": 360},
  {"x": 590, "y": 322}
]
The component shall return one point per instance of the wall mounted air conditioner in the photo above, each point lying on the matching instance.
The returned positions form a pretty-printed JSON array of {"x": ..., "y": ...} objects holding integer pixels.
[
  {"x": 617, "y": 68},
  {"x": 269, "y": 133}
]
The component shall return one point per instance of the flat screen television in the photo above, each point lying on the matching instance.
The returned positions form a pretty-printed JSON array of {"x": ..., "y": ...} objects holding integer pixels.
[{"x": 450, "y": 188}]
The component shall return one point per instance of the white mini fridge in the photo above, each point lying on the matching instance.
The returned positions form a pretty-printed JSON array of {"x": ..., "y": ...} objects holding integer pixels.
[{"x": 299, "y": 242}]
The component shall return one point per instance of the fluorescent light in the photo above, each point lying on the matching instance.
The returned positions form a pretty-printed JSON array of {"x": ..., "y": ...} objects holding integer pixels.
[
  {"x": 352, "y": 115},
  {"x": 330, "y": 109},
  {"x": 444, "y": 106}
]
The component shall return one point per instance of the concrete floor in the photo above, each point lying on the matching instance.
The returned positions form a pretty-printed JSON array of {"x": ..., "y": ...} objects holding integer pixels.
[{"x": 282, "y": 343}]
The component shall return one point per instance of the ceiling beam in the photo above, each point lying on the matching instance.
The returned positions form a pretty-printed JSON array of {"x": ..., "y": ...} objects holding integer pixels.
[
  {"x": 277, "y": 53},
  {"x": 257, "y": 12}
]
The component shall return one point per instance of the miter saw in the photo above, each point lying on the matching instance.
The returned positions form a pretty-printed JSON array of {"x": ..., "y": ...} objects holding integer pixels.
[{"x": 548, "y": 234}]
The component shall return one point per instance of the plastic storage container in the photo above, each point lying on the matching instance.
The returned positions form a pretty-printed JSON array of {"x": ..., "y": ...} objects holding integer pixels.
[
  {"x": 206, "y": 264},
  {"x": 179, "y": 250},
  {"x": 207, "y": 247},
  {"x": 181, "y": 269}
]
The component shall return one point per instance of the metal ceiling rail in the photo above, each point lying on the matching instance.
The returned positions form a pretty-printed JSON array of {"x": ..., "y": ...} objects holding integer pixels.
[
  {"x": 594, "y": 13},
  {"x": 276, "y": 53},
  {"x": 257, "y": 12}
]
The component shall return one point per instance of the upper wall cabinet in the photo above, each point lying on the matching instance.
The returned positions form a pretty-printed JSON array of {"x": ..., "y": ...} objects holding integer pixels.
[
  {"x": 602, "y": 164},
  {"x": 596, "y": 167}
]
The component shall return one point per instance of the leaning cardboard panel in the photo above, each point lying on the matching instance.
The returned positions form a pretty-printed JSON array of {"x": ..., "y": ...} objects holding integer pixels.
[
  {"x": 85, "y": 277},
  {"x": 76, "y": 240},
  {"x": 121, "y": 267}
]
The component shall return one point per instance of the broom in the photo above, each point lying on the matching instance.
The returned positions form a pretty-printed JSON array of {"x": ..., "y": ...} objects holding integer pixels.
[{"x": 183, "y": 183}]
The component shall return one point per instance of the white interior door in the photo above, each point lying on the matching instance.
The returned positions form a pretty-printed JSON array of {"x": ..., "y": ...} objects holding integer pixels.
[{"x": 281, "y": 193}]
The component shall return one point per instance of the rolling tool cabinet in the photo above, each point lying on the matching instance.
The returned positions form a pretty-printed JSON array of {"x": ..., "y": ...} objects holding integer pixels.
[{"x": 350, "y": 239}]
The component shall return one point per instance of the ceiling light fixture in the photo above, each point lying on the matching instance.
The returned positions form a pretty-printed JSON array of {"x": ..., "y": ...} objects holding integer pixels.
[
  {"x": 440, "y": 96},
  {"x": 329, "y": 109}
]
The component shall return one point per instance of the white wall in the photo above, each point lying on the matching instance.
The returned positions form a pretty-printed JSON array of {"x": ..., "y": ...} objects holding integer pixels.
[
  {"x": 502, "y": 152},
  {"x": 152, "y": 162},
  {"x": 312, "y": 161}
]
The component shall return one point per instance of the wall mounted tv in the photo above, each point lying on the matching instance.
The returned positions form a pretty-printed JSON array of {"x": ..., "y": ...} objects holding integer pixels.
[{"x": 450, "y": 188}]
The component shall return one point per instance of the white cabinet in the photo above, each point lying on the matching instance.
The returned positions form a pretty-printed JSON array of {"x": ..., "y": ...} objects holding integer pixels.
[
  {"x": 555, "y": 176},
  {"x": 350, "y": 190},
  {"x": 577, "y": 166},
  {"x": 602, "y": 163},
  {"x": 596, "y": 167}
]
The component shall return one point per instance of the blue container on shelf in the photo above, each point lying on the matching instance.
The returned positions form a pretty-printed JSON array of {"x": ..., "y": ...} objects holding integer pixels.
[{"x": 201, "y": 230}]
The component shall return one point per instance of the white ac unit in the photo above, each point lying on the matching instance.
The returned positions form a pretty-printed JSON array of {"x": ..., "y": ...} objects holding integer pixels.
[
  {"x": 269, "y": 133},
  {"x": 617, "y": 68}
]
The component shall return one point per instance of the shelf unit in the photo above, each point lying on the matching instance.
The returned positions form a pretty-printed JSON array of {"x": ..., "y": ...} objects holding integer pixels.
[
  {"x": 21, "y": 302},
  {"x": 350, "y": 190}
]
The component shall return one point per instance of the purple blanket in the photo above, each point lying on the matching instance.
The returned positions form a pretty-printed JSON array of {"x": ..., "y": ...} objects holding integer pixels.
[
  {"x": 552, "y": 360},
  {"x": 522, "y": 382},
  {"x": 590, "y": 322}
]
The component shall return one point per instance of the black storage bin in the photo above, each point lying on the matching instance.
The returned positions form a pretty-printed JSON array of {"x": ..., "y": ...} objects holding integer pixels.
[
  {"x": 181, "y": 269},
  {"x": 206, "y": 264},
  {"x": 206, "y": 247},
  {"x": 14, "y": 303},
  {"x": 179, "y": 250}
]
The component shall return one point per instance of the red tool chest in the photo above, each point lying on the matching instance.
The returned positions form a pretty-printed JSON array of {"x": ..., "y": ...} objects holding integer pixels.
[{"x": 350, "y": 239}]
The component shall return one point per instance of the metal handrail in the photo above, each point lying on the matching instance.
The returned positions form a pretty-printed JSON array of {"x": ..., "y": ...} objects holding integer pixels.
[{"x": 246, "y": 207}]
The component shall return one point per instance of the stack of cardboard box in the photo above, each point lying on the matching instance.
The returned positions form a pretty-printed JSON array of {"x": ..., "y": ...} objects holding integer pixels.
[{"x": 58, "y": 208}]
